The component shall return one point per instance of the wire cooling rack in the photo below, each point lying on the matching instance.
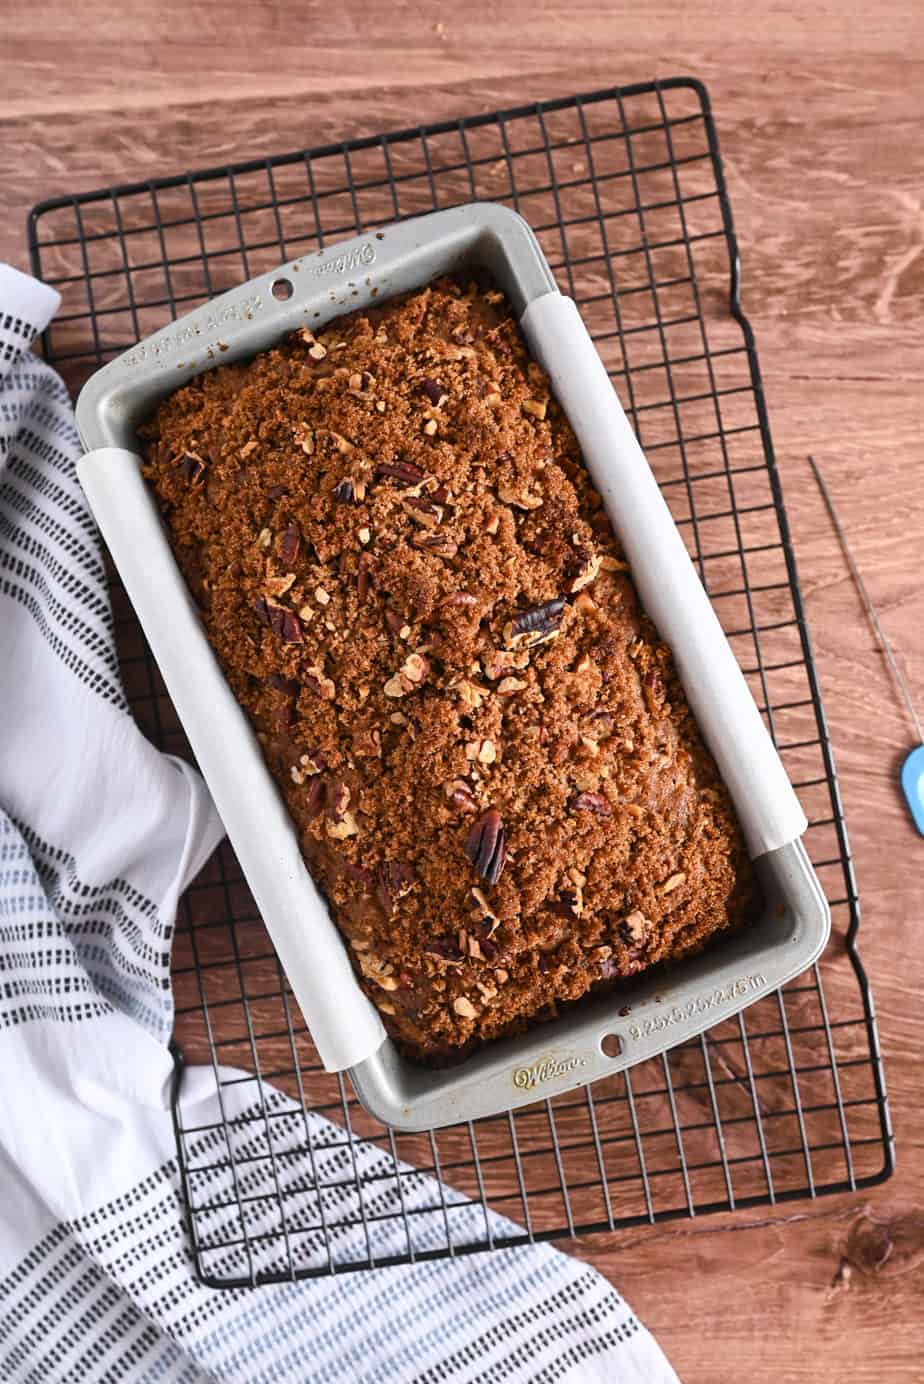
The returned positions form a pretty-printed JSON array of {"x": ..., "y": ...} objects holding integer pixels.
[{"x": 625, "y": 191}]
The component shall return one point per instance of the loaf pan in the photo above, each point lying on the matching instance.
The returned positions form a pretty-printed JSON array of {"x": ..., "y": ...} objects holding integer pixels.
[{"x": 605, "y": 1032}]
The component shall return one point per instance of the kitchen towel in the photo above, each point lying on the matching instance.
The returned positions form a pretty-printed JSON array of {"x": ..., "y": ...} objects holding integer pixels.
[{"x": 99, "y": 834}]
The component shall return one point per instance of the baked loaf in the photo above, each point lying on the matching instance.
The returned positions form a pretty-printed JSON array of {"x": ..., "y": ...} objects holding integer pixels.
[{"x": 418, "y": 600}]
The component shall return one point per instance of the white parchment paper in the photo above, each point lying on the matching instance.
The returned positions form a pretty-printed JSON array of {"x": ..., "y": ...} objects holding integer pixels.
[
  {"x": 671, "y": 592},
  {"x": 344, "y": 1025}
]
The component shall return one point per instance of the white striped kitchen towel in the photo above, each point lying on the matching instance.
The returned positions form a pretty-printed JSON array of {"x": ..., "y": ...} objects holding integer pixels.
[{"x": 99, "y": 834}]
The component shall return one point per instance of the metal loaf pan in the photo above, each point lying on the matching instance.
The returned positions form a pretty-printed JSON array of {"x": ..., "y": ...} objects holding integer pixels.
[{"x": 605, "y": 1032}]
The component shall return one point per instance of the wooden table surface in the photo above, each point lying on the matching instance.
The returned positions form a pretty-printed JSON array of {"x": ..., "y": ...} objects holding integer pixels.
[{"x": 820, "y": 110}]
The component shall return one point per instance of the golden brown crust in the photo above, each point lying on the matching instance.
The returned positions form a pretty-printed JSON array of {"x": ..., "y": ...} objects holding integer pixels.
[{"x": 416, "y": 596}]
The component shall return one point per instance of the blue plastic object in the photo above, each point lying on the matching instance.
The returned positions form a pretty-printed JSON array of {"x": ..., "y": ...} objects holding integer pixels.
[{"x": 913, "y": 786}]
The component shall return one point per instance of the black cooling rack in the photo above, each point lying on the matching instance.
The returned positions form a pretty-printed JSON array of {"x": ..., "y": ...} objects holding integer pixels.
[{"x": 625, "y": 190}]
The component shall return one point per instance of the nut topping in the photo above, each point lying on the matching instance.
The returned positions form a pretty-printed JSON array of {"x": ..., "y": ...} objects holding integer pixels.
[
  {"x": 284, "y": 623},
  {"x": 346, "y": 826},
  {"x": 338, "y": 800},
  {"x": 289, "y": 545},
  {"x": 482, "y": 751},
  {"x": 305, "y": 439},
  {"x": 633, "y": 926},
  {"x": 520, "y": 500},
  {"x": 278, "y": 586},
  {"x": 459, "y": 598},
  {"x": 290, "y": 686},
  {"x": 193, "y": 467},
  {"x": 375, "y": 969},
  {"x": 460, "y": 795},
  {"x": 317, "y": 794},
  {"x": 592, "y": 802},
  {"x": 471, "y": 694},
  {"x": 535, "y": 625},
  {"x": 483, "y": 911},
  {"x": 444, "y": 951},
  {"x": 320, "y": 683},
  {"x": 405, "y": 471},
  {"x": 394, "y": 879},
  {"x": 436, "y": 543},
  {"x": 588, "y": 570},
  {"x": 424, "y": 512},
  {"x": 486, "y": 846},
  {"x": 415, "y": 589},
  {"x": 498, "y": 662},
  {"x": 409, "y": 676}
]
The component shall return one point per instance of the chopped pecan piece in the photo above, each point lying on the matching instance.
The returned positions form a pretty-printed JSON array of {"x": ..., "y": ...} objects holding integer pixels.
[
  {"x": 290, "y": 686},
  {"x": 483, "y": 910},
  {"x": 444, "y": 951},
  {"x": 345, "y": 491},
  {"x": 435, "y": 543},
  {"x": 405, "y": 471},
  {"x": 424, "y": 512},
  {"x": 317, "y": 794},
  {"x": 304, "y": 437},
  {"x": 634, "y": 926},
  {"x": 589, "y": 566},
  {"x": 284, "y": 623},
  {"x": 278, "y": 586},
  {"x": 344, "y": 827},
  {"x": 363, "y": 580},
  {"x": 535, "y": 625},
  {"x": 520, "y": 499},
  {"x": 377, "y": 970},
  {"x": 364, "y": 878},
  {"x": 394, "y": 879},
  {"x": 320, "y": 683},
  {"x": 432, "y": 390},
  {"x": 498, "y": 662},
  {"x": 338, "y": 800},
  {"x": 459, "y": 598},
  {"x": 484, "y": 751},
  {"x": 563, "y": 908},
  {"x": 464, "y": 1008},
  {"x": 290, "y": 544},
  {"x": 471, "y": 694},
  {"x": 486, "y": 845},
  {"x": 409, "y": 676},
  {"x": 193, "y": 467},
  {"x": 460, "y": 795}
]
